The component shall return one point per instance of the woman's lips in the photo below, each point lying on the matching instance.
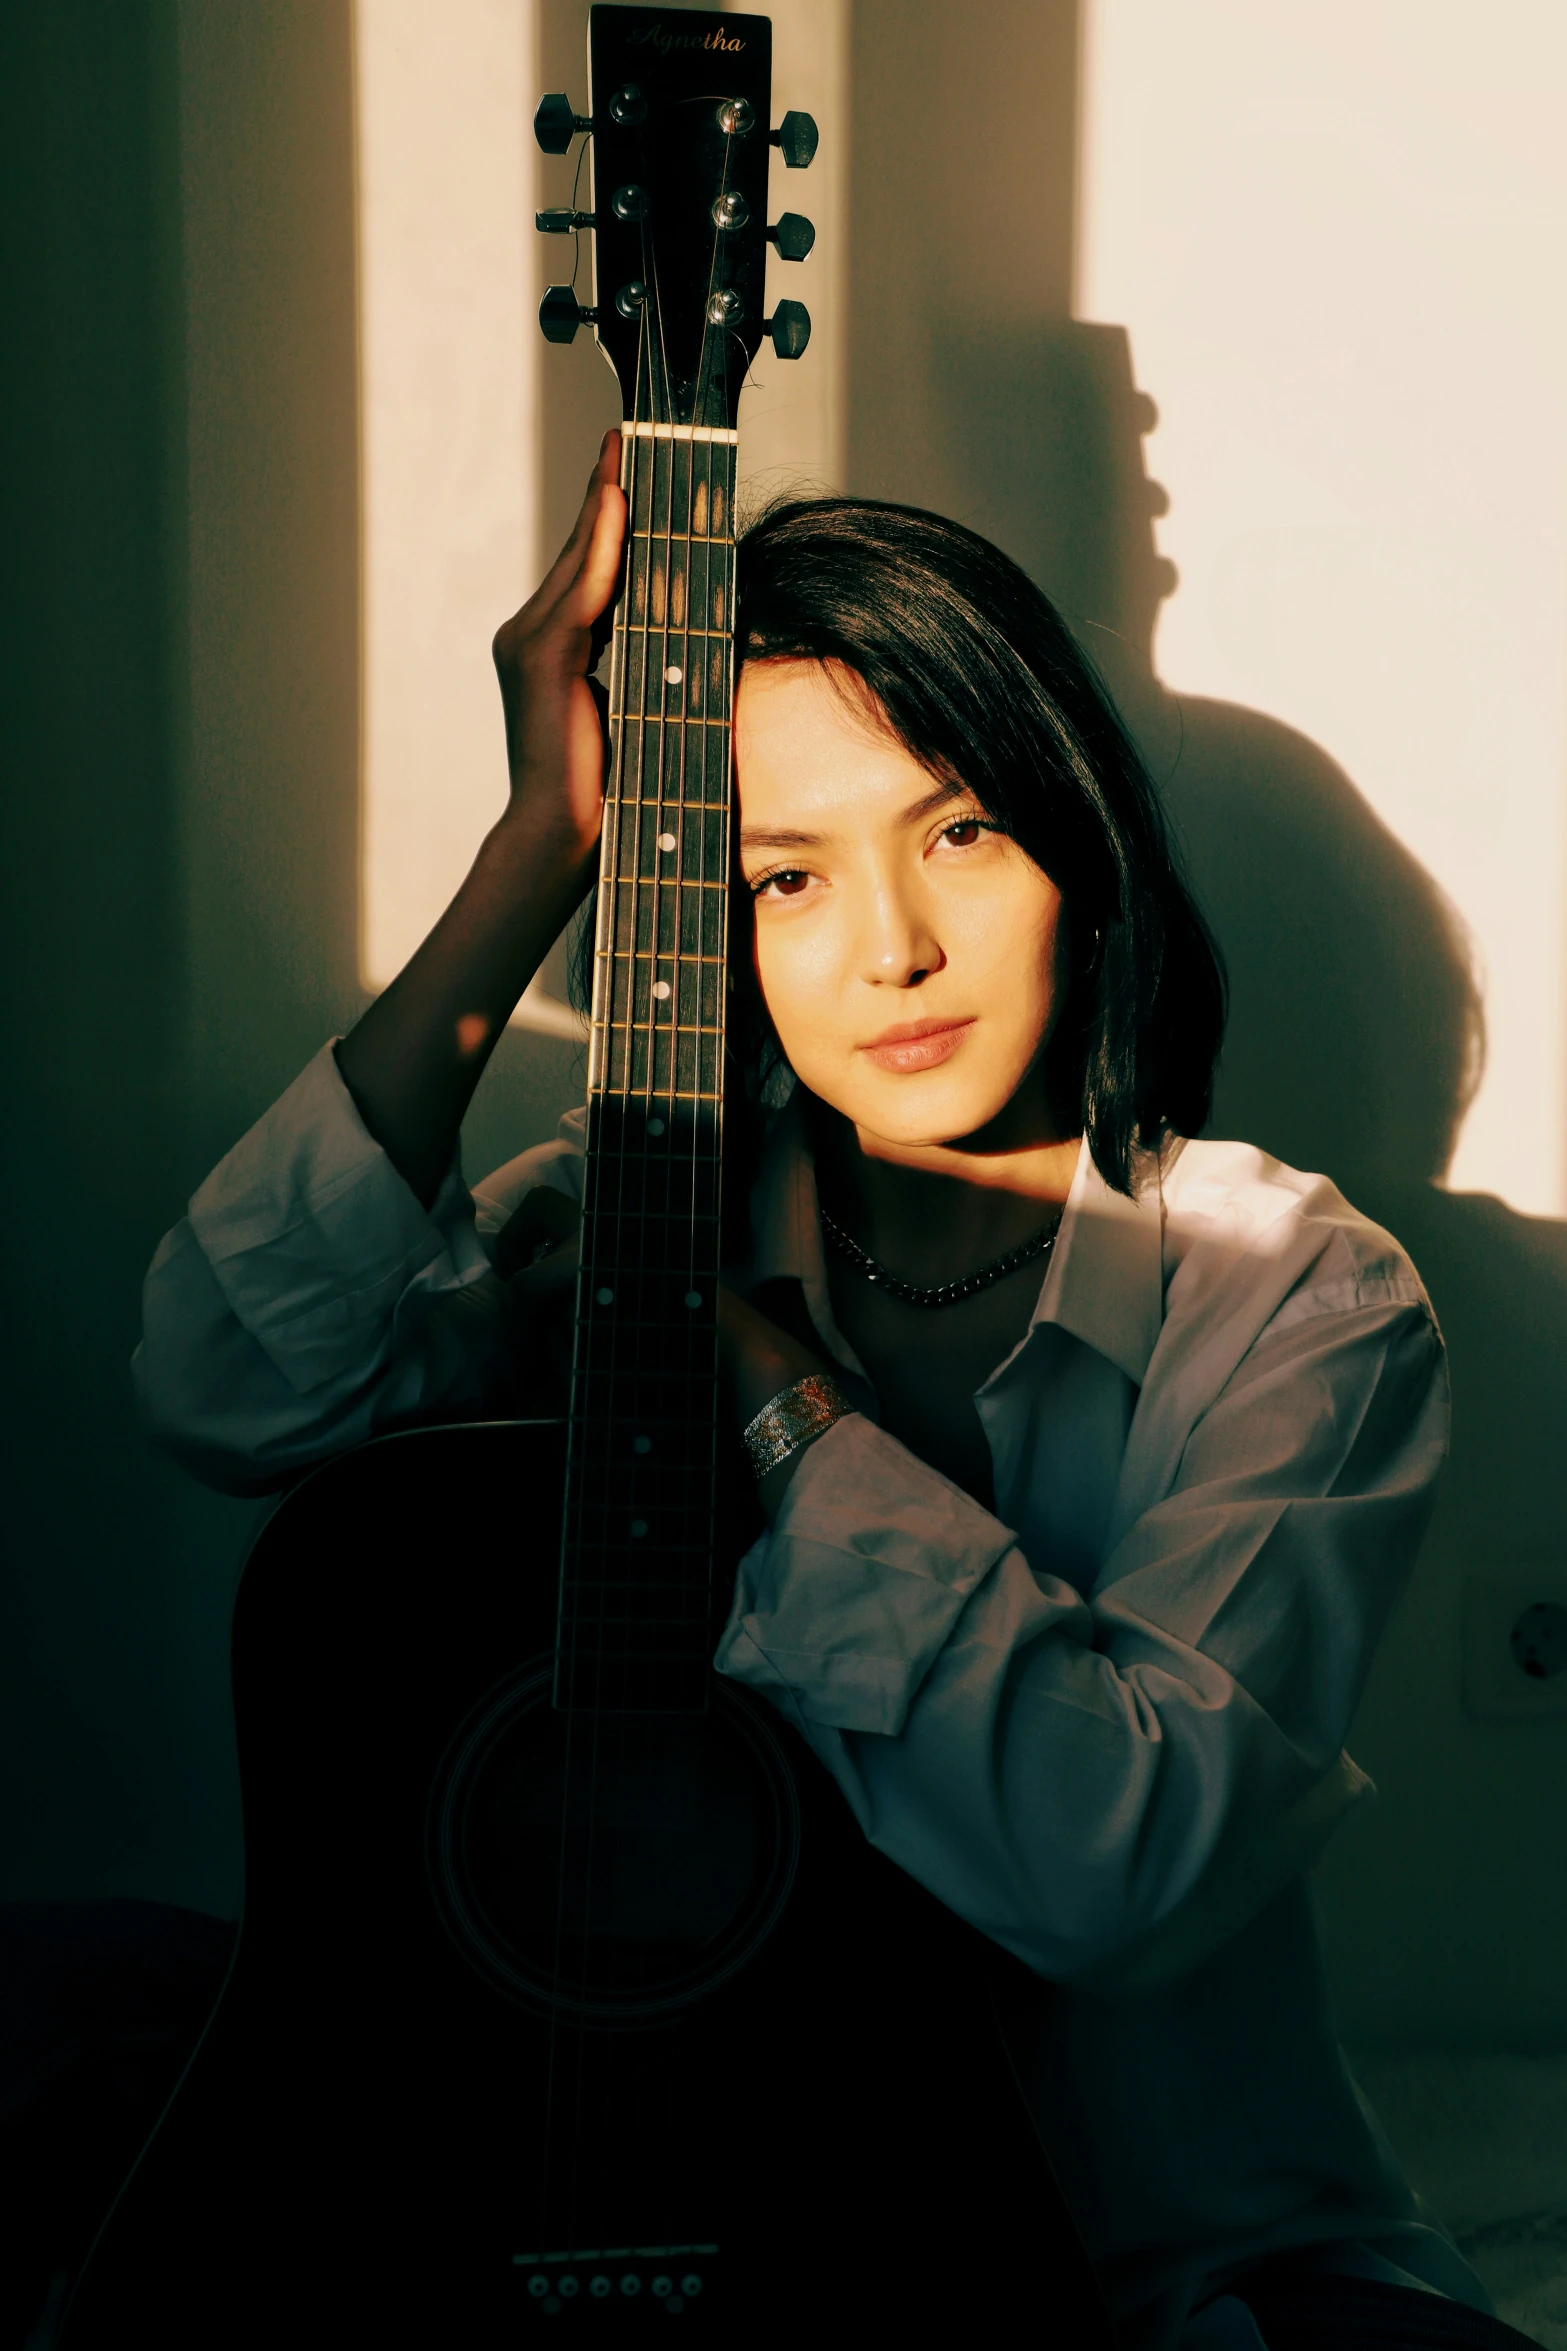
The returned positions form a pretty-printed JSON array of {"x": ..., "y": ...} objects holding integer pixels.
[{"x": 918, "y": 1044}]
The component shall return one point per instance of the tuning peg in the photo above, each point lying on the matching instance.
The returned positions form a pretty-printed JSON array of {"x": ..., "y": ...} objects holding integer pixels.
[
  {"x": 560, "y": 220},
  {"x": 789, "y": 326},
  {"x": 795, "y": 138},
  {"x": 792, "y": 233},
  {"x": 555, "y": 124},
  {"x": 560, "y": 314}
]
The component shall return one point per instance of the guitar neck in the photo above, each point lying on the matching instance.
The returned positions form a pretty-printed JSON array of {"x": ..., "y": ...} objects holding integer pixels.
[{"x": 640, "y": 1490}]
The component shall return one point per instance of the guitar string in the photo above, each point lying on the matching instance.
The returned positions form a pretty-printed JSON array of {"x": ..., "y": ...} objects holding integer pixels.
[
  {"x": 602, "y": 1008},
  {"x": 716, "y": 615},
  {"x": 607, "y": 982},
  {"x": 678, "y": 1481},
  {"x": 619, "y": 1095},
  {"x": 643, "y": 903},
  {"x": 615, "y": 1108}
]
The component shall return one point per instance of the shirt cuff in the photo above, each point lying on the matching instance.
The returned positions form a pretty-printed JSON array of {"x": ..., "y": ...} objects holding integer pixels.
[
  {"x": 313, "y": 1236},
  {"x": 841, "y": 1611}
]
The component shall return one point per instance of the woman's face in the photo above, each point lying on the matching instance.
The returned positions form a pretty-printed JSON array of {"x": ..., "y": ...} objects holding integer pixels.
[{"x": 908, "y": 953}]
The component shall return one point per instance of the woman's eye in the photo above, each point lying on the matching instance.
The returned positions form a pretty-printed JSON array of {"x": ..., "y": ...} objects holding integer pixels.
[
  {"x": 782, "y": 885},
  {"x": 964, "y": 833}
]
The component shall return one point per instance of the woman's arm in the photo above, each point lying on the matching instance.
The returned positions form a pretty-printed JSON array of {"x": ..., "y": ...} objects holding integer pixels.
[
  {"x": 412, "y": 1062},
  {"x": 1068, "y": 1773}
]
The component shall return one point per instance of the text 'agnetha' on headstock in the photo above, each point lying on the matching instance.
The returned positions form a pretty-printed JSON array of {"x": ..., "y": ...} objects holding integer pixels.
[{"x": 678, "y": 105}]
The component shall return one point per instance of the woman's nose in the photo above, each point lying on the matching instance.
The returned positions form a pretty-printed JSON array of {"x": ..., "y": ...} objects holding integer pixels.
[{"x": 899, "y": 947}]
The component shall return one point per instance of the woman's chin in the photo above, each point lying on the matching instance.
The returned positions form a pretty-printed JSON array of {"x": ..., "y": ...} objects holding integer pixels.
[{"x": 926, "y": 1110}]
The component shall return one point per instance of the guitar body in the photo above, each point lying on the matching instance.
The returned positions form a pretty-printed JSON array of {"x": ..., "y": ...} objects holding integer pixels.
[{"x": 777, "y": 2095}]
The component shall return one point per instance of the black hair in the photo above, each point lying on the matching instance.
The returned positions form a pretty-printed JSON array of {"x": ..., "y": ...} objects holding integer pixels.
[{"x": 979, "y": 678}]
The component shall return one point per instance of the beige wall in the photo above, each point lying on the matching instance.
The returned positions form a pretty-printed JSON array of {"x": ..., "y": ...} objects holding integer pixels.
[{"x": 969, "y": 386}]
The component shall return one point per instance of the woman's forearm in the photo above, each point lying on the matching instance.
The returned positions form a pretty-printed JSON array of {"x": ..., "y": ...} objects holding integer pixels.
[{"x": 413, "y": 1061}]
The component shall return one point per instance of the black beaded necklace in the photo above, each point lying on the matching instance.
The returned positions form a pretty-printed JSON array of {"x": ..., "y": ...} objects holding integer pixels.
[{"x": 850, "y": 1253}]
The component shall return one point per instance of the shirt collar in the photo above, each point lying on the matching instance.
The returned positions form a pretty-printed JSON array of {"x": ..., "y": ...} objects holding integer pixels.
[{"x": 1104, "y": 1280}]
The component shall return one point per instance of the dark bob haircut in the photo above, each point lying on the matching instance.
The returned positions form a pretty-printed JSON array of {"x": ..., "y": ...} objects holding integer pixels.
[{"x": 979, "y": 679}]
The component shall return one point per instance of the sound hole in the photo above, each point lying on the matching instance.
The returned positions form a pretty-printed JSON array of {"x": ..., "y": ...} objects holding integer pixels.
[{"x": 609, "y": 1869}]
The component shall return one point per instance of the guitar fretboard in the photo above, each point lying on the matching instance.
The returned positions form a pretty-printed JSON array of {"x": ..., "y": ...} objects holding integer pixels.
[{"x": 642, "y": 1449}]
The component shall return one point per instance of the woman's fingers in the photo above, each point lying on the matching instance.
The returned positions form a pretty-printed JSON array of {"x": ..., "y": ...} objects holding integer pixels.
[
  {"x": 594, "y": 584},
  {"x": 566, "y": 569},
  {"x": 543, "y": 655},
  {"x": 544, "y": 1222}
]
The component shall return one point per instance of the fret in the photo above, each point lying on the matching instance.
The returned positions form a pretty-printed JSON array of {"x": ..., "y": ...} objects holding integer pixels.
[
  {"x": 622, "y": 1496},
  {"x": 625, "y": 1494},
  {"x": 686, "y": 763},
  {"x": 667, "y": 806},
  {"x": 710, "y": 1094},
  {"x": 680, "y": 493},
  {"x": 683, "y": 958},
  {"x": 598, "y": 1657},
  {"x": 682, "y": 1218},
  {"x": 633, "y": 1058},
  {"x": 597, "y": 1321},
  {"x": 724, "y": 637}
]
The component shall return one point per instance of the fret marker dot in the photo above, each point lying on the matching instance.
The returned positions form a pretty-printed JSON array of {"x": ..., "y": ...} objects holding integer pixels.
[
  {"x": 661, "y": 990},
  {"x": 641, "y": 1444},
  {"x": 693, "y": 1297},
  {"x": 655, "y": 1126},
  {"x": 605, "y": 1297},
  {"x": 672, "y": 675},
  {"x": 639, "y": 1526},
  {"x": 666, "y": 842}
]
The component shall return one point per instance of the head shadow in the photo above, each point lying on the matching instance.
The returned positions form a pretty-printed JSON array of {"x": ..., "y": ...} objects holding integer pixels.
[
  {"x": 1354, "y": 1047},
  {"x": 1356, "y": 1037}
]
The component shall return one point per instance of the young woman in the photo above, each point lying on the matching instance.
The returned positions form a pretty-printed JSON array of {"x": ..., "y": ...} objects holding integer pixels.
[{"x": 1093, "y": 1457}]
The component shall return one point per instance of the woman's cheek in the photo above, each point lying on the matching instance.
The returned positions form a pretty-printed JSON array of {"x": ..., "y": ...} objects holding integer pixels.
[{"x": 795, "y": 971}]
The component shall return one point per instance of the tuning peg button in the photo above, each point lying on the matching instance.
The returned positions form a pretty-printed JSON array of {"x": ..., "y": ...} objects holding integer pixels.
[
  {"x": 793, "y": 235},
  {"x": 560, "y": 220},
  {"x": 555, "y": 124},
  {"x": 796, "y": 139},
  {"x": 790, "y": 328},
  {"x": 560, "y": 314}
]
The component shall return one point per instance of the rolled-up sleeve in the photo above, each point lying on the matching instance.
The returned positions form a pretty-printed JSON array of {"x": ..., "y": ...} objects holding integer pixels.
[
  {"x": 309, "y": 1300},
  {"x": 1077, "y": 1773}
]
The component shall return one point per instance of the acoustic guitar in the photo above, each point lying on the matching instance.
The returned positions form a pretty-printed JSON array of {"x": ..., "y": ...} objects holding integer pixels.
[{"x": 568, "y": 1994}]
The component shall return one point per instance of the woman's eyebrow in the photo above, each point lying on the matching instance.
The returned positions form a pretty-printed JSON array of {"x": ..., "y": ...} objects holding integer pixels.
[
  {"x": 754, "y": 838},
  {"x": 932, "y": 801}
]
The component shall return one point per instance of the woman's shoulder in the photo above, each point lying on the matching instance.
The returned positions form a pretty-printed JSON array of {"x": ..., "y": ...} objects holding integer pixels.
[
  {"x": 1232, "y": 1213},
  {"x": 557, "y": 1164}
]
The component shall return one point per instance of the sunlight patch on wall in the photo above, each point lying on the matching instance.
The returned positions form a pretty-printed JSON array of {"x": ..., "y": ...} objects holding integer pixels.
[
  {"x": 447, "y": 357},
  {"x": 1337, "y": 234}
]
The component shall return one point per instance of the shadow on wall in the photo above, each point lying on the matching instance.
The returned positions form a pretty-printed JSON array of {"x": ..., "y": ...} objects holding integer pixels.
[{"x": 1356, "y": 1036}]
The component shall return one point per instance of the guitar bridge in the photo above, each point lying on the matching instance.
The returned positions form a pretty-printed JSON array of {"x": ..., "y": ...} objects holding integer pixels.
[{"x": 671, "y": 2275}]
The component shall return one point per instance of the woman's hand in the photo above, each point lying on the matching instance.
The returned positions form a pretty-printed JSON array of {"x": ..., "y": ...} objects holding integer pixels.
[
  {"x": 413, "y": 1061},
  {"x": 536, "y": 1253},
  {"x": 543, "y": 656},
  {"x": 757, "y": 1361}
]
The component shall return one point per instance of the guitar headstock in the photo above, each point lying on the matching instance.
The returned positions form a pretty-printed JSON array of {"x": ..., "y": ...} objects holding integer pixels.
[{"x": 679, "y": 123}]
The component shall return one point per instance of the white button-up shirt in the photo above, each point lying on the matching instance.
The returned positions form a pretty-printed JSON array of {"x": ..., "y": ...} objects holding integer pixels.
[{"x": 1104, "y": 1722}]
